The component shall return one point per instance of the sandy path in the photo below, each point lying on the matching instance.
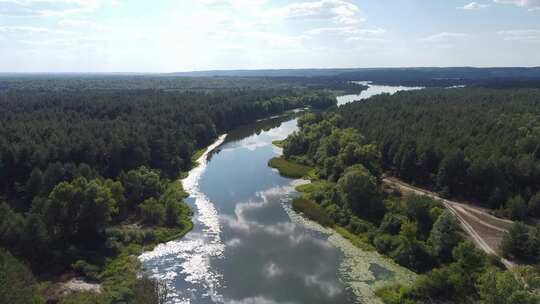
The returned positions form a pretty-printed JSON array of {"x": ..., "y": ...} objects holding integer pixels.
[{"x": 484, "y": 229}]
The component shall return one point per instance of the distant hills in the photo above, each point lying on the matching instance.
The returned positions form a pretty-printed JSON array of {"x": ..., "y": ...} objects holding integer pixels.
[
  {"x": 430, "y": 76},
  {"x": 370, "y": 73}
]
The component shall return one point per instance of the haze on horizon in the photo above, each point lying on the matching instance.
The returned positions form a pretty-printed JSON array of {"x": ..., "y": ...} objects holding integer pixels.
[{"x": 175, "y": 36}]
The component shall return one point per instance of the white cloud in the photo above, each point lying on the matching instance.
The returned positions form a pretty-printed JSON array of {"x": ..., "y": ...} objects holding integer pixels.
[
  {"x": 530, "y": 35},
  {"x": 473, "y": 6},
  {"x": 29, "y": 30},
  {"x": 446, "y": 37},
  {"x": 82, "y": 24},
  {"x": 338, "y": 11},
  {"x": 532, "y": 5},
  {"x": 350, "y": 33},
  {"x": 51, "y": 8}
]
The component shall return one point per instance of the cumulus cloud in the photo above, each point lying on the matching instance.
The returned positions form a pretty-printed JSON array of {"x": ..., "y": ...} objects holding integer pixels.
[
  {"x": 532, "y": 5},
  {"x": 473, "y": 6}
]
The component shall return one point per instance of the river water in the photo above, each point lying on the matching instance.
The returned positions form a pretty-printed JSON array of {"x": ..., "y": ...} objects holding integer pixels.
[
  {"x": 373, "y": 90},
  {"x": 248, "y": 246}
]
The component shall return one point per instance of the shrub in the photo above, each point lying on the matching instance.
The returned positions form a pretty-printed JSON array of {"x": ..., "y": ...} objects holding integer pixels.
[{"x": 312, "y": 211}]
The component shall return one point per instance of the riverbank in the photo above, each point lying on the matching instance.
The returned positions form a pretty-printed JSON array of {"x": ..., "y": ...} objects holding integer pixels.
[
  {"x": 204, "y": 215},
  {"x": 120, "y": 272},
  {"x": 363, "y": 269}
]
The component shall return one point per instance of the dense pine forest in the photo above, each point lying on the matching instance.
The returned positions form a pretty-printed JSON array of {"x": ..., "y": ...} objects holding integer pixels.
[
  {"x": 88, "y": 178},
  {"x": 481, "y": 144},
  {"x": 347, "y": 193}
]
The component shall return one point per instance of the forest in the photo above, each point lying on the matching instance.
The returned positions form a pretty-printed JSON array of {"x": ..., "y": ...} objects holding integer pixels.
[
  {"x": 474, "y": 143},
  {"x": 347, "y": 192},
  {"x": 89, "y": 179}
]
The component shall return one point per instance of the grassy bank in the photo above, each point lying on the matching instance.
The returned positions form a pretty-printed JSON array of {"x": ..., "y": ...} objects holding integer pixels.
[
  {"x": 278, "y": 143},
  {"x": 289, "y": 169},
  {"x": 312, "y": 211}
]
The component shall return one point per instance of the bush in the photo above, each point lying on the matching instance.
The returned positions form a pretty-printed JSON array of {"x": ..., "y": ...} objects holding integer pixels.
[
  {"x": 85, "y": 269},
  {"x": 357, "y": 225},
  {"x": 312, "y": 211},
  {"x": 288, "y": 168},
  {"x": 385, "y": 243},
  {"x": 152, "y": 212}
]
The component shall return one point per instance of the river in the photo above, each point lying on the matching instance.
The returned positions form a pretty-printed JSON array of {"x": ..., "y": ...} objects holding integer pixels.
[
  {"x": 248, "y": 246},
  {"x": 373, "y": 90}
]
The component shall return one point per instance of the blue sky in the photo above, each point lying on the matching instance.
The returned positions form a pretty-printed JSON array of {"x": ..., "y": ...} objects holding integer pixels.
[{"x": 181, "y": 35}]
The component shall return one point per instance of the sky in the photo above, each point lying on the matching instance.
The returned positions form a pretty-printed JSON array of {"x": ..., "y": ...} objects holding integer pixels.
[{"x": 181, "y": 35}]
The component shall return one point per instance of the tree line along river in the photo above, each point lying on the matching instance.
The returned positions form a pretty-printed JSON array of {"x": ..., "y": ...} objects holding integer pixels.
[{"x": 248, "y": 246}]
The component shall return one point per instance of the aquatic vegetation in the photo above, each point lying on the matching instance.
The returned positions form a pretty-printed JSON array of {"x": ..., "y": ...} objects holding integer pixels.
[{"x": 357, "y": 269}]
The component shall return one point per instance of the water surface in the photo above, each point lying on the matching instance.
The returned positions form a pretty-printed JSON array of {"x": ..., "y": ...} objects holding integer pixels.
[
  {"x": 373, "y": 90},
  {"x": 248, "y": 246}
]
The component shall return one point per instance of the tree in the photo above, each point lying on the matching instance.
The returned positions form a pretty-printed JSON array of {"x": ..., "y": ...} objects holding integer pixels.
[
  {"x": 17, "y": 284},
  {"x": 79, "y": 208},
  {"x": 34, "y": 239},
  {"x": 444, "y": 236},
  {"x": 452, "y": 171},
  {"x": 518, "y": 243},
  {"x": 469, "y": 258},
  {"x": 412, "y": 253},
  {"x": 534, "y": 205},
  {"x": 141, "y": 184},
  {"x": 496, "y": 287},
  {"x": 171, "y": 213},
  {"x": 359, "y": 189},
  {"x": 517, "y": 208},
  {"x": 152, "y": 212},
  {"x": 418, "y": 209},
  {"x": 34, "y": 183}
]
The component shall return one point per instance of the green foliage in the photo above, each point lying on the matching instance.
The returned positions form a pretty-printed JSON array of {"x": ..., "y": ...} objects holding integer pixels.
[
  {"x": 17, "y": 284},
  {"x": 79, "y": 208},
  {"x": 360, "y": 192},
  {"x": 497, "y": 287},
  {"x": 410, "y": 252},
  {"x": 444, "y": 236},
  {"x": 141, "y": 184},
  {"x": 86, "y": 269},
  {"x": 288, "y": 168},
  {"x": 521, "y": 243},
  {"x": 517, "y": 208},
  {"x": 534, "y": 205},
  {"x": 312, "y": 211},
  {"x": 152, "y": 212},
  {"x": 472, "y": 142}
]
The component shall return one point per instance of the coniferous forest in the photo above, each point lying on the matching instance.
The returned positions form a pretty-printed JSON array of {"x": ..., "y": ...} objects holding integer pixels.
[
  {"x": 88, "y": 177},
  {"x": 481, "y": 144}
]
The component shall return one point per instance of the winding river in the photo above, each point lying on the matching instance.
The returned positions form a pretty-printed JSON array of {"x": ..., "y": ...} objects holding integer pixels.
[{"x": 248, "y": 246}]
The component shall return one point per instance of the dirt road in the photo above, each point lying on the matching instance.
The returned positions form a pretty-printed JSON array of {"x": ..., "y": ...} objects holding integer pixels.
[{"x": 484, "y": 229}]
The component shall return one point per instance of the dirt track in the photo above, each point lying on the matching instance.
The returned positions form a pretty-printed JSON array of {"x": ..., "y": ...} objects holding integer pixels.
[{"x": 485, "y": 230}]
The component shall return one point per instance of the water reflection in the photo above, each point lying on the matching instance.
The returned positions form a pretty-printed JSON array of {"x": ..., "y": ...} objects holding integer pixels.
[
  {"x": 256, "y": 255},
  {"x": 267, "y": 258}
]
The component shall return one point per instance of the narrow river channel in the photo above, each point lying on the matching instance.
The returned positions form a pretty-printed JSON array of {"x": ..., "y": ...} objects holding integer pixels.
[{"x": 248, "y": 246}]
